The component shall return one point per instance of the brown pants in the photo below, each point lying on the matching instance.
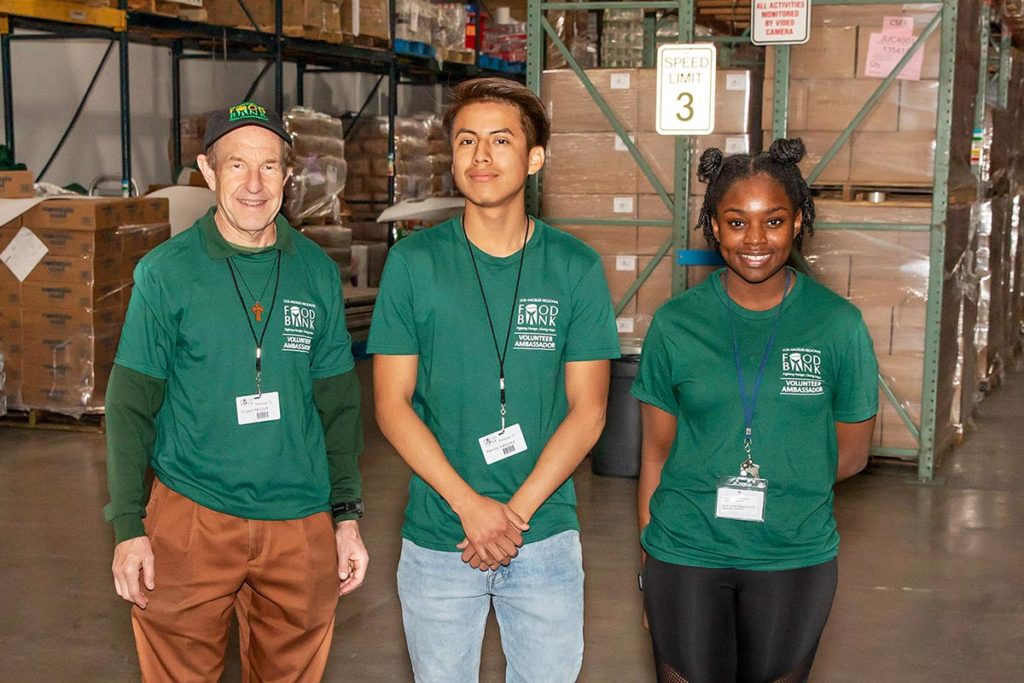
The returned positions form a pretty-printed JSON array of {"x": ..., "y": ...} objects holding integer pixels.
[{"x": 280, "y": 576}]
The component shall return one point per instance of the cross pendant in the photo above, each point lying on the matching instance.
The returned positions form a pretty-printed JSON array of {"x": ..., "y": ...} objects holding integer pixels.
[{"x": 257, "y": 310}]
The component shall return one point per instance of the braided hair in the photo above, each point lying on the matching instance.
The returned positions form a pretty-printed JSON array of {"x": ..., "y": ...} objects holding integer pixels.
[{"x": 779, "y": 162}]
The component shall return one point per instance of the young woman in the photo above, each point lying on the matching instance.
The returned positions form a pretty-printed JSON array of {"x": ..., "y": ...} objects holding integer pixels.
[{"x": 759, "y": 393}]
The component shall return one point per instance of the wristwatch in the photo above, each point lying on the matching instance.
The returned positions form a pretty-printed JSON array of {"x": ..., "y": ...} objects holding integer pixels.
[{"x": 348, "y": 507}]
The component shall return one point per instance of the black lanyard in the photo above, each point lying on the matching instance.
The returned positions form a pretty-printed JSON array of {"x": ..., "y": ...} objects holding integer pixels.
[
  {"x": 502, "y": 354},
  {"x": 270, "y": 313},
  {"x": 749, "y": 401}
]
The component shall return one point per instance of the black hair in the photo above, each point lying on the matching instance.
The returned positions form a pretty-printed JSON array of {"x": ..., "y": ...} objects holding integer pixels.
[
  {"x": 779, "y": 163},
  {"x": 534, "y": 118}
]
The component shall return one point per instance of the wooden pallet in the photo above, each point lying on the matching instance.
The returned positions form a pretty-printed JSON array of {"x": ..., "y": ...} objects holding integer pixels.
[
  {"x": 851, "y": 191},
  {"x": 368, "y": 41},
  {"x": 458, "y": 56},
  {"x": 94, "y": 422}
]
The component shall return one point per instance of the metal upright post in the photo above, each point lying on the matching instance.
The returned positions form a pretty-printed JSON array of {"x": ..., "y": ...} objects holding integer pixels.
[
  {"x": 176, "y": 50},
  {"x": 5, "y": 55},
  {"x": 937, "y": 247},
  {"x": 780, "y": 93},
  {"x": 392, "y": 113},
  {"x": 534, "y": 67},
  {"x": 279, "y": 56},
  {"x": 681, "y": 186},
  {"x": 300, "y": 83},
  {"x": 126, "y": 111}
]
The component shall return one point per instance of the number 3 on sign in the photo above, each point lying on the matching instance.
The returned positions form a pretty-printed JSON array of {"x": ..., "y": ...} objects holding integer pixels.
[
  {"x": 686, "y": 89},
  {"x": 687, "y": 106}
]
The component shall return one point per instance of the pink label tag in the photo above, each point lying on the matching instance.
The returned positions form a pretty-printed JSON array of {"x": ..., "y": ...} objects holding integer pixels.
[{"x": 885, "y": 51}]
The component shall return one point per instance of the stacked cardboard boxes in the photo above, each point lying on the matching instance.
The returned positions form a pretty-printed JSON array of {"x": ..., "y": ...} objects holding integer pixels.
[
  {"x": 60, "y": 325},
  {"x": 850, "y": 51},
  {"x": 590, "y": 173}
]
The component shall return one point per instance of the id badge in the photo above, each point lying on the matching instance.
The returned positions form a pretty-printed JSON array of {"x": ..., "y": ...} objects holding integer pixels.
[
  {"x": 741, "y": 498},
  {"x": 502, "y": 444},
  {"x": 258, "y": 408}
]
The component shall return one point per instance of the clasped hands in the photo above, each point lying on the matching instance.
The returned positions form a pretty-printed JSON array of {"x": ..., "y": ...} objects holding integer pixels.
[{"x": 494, "y": 533}]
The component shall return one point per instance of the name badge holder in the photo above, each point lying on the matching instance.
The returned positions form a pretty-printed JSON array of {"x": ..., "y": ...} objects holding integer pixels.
[
  {"x": 743, "y": 497},
  {"x": 508, "y": 440}
]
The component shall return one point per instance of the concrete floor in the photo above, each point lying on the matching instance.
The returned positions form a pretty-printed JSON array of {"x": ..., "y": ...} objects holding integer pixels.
[{"x": 930, "y": 576}]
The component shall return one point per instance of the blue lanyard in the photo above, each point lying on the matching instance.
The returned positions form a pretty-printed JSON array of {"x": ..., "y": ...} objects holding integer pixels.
[{"x": 749, "y": 400}]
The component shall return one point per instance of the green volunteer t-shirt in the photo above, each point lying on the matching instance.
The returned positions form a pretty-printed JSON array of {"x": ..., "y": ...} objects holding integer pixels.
[
  {"x": 821, "y": 370},
  {"x": 430, "y": 305},
  {"x": 186, "y": 325}
]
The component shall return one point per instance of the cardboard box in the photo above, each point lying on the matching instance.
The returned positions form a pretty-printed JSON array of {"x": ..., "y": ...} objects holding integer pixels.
[
  {"x": 72, "y": 242},
  {"x": 572, "y": 109},
  {"x": 229, "y": 12},
  {"x": 919, "y": 105},
  {"x": 10, "y": 289},
  {"x": 144, "y": 210},
  {"x": 366, "y": 17},
  {"x": 368, "y": 263},
  {"x": 80, "y": 214},
  {"x": 17, "y": 184},
  {"x": 605, "y": 239},
  {"x": 896, "y": 158},
  {"x": 829, "y": 53},
  {"x": 620, "y": 272},
  {"x": 817, "y": 143},
  {"x": 821, "y": 104},
  {"x": 930, "y": 65},
  {"x": 48, "y": 296},
  {"x": 100, "y": 270},
  {"x": 662, "y": 158},
  {"x": 650, "y": 238},
  {"x": 589, "y": 205},
  {"x": 589, "y": 163},
  {"x": 142, "y": 238},
  {"x": 732, "y": 101},
  {"x": 68, "y": 323},
  {"x": 657, "y": 289}
]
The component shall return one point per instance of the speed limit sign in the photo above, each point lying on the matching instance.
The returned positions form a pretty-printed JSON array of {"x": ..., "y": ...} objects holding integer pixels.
[{"x": 686, "y": 89}]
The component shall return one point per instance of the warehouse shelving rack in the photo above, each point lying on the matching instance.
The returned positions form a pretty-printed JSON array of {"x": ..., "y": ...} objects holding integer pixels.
[
  {"x": 945, "y": 21},
  {"x": 189, "y": 40}
]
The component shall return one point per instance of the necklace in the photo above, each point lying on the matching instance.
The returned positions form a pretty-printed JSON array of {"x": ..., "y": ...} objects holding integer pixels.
[{"x": 257, "y": 307}]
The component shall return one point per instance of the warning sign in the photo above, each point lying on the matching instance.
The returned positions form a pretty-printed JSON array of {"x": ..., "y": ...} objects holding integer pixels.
[
  {"x": 686, "y": 89},
  {"x": 780, "y": 22}
]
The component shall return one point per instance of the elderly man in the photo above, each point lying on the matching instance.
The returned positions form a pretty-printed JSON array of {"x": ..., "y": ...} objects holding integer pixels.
[{"x": 234, "y": 380}]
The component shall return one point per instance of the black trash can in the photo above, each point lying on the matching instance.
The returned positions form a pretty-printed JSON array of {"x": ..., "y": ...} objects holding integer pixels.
[{"x": 617, "y": 453}]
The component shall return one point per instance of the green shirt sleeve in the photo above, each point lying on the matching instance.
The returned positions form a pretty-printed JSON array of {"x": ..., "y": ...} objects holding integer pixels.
[
  {"x": 132, "y": 401},
  {"x": 393, "y": 328},
  {"x": 337, "y": 401},
  {"x": 592, "y": 332},
  {"x": 332, "y": 351},
  {"x": 654, "y": 382},
  {"x": 856, "y": 396}
]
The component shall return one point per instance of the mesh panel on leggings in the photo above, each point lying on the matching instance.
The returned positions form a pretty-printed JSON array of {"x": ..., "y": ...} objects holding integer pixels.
[
  {"x": 666, "y": 674},
  {"x": 797, "y": 675}
]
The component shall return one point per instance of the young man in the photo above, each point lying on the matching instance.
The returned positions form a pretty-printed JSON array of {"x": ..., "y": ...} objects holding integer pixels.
[
  {"x": 492, "y": 336},
  {"x": 234, "y": 379}
]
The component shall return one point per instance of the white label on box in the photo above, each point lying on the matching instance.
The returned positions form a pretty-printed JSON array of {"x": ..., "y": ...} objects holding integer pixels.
[
  {"x": 736, "y": 145},
  {"x": 625, "y": 262},
  {"x": 23, "y": 253},
  {"x": 622, "y": 204},
  {"x": 685, "y": 96},
  {"x": 736, "y": 81},
  {"x": 885, "y": 50},
  {"x": 620, "y": 146},
  {"x": 624, "y": 325},
  {"x": 619, "y": 81},
  {"x": 903, "y": 26}
]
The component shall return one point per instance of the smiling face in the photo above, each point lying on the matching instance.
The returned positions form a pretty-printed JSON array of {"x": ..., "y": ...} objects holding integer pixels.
[
  {"x": 491, "y": 157},
  {"x": 246, "y": 169},
  {"x": 755, "y": 224}
]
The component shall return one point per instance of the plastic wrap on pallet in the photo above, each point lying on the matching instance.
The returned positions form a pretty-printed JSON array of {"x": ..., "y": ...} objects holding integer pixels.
[
  {"x": 450, "y": 26},
  {"x": 318, "y": 179},
  {"x": 622, "y": 38},
  {"x": 578, "y": 30},
  {"x": 336, "y": 241},
  {"x": 415, "y": 20}
]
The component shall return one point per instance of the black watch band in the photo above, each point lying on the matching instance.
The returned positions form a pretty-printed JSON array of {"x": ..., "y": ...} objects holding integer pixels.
[{"x": 348, "y": 507}]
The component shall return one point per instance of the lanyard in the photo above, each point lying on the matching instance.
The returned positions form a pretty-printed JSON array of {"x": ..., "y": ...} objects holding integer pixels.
[
  {"x": 245, "y": 311},
  {"x": 749, "y": 400},
  {"x": 502, "y": 354}
]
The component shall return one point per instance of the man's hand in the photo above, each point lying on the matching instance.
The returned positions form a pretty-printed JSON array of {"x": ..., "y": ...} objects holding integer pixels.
[
  {"x": 352, "y": 556},
  {"x": 494, "y": 533},
  {"x": 131, "y": 557}
]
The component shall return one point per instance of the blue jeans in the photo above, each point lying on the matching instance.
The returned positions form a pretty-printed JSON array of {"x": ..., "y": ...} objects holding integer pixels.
[{"x": 538, "y": 601}]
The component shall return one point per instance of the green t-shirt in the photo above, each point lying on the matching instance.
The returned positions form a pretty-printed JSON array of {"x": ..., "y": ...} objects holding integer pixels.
[
  {"x": 186, "y": 325},
  {"x": 430, "y": 305},
  {"x": 821, "y": 370}
]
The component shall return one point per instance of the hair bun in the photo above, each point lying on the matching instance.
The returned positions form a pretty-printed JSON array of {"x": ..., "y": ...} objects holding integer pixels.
[
  {"x": 787, "y": 150},
  {"x": 711, "y": 162}
]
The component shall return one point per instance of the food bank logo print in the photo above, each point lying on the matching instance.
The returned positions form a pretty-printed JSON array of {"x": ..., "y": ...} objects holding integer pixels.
[
  {"x": 247, "y": 110},
  {"x": 536, "y": 324},
  {"x": 299, "y": 325},
  {"x": 801, "y": 372}
]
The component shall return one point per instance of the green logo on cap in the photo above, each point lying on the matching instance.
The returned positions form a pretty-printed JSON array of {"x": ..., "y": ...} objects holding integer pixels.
[{"x": 247, "y": 110}]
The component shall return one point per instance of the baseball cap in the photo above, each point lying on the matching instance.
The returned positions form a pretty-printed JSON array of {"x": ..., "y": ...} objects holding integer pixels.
[{"x": 223, "y": 121}]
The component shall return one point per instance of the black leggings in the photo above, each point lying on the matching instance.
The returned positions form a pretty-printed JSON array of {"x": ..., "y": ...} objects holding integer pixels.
[{"x": 735, "y": 625}]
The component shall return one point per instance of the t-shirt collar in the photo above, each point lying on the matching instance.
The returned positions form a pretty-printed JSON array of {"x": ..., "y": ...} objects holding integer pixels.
[{"x": 219, "y": 248}]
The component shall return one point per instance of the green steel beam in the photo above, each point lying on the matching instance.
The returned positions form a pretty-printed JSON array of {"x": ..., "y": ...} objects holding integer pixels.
[
  {"x": 681, "y": 207},
  {"x": 882, "y": 227},
  {"x": 642, "y": 277},
  {"x": 534, "y": 68},
  {"x": 650, "y": 39},
  {"x": 780, "y": 94},
  {"x": 567, "y": 6},
  {"x": 876, "y": 96},
  {"x": 609, "y": 222},
  {"x": 937, "y": 246},
  {"x": 901, "y": 410},
  {"x": 599, "y": 100}
]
